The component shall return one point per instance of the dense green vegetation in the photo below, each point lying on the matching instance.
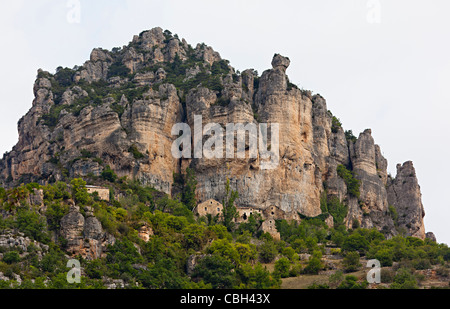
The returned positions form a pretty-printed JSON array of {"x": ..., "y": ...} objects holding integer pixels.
[
  {"x": 229, "y": 255},
  {"x": 162, "y": 260}
]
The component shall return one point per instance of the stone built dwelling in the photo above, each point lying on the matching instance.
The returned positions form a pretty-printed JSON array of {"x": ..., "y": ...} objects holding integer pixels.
[
  {"x": 210, "y": 207},
  {"x": 103, "y": 193},
  {"x": 215, "y": 208}
]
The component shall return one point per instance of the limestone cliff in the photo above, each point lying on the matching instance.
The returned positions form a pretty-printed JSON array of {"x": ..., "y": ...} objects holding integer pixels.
[
  {"x": 84, "y": 234},
  {"x": 118, "y": 110}
]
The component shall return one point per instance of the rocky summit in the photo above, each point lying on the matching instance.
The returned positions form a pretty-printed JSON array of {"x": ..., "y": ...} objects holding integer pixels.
[{"x": 117, "y": 110}]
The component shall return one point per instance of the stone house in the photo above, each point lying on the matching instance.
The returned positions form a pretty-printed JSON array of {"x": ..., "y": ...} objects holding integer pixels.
[
  {"x": 103, "y": 193},
  {"x": 269, "y": 215},
  {"x": 268, "y": 226},
  {"x": 245, "y": 213},
  {"x": 209, "y": 207},
  {"x": 278, "y": 214}
]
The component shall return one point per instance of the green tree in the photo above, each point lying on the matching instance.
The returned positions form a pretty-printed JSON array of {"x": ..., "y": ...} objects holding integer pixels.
[
  {"x": 314, "y": 264},
  {"x": 267, "y": 251},
  {"x": 336, "y": 279},
  {"x": 121, "y": 256},
  {"x": 351, "y": 261},
  {"x": 385, "y": 256},
  {"x": 79, "y": 191},
  {"x": 108, "y": 174},
  {"x": 351, "y": 282},
  {"x": 258, "y": 277},
  {"x": 194, "y": 237},
  {"x": 217, "y": 271},
  {"x": 32, "y": 225},
  {"x": 337, "y": 210},
  {"x": 404, "y": 279},
  {"x": 352, "y": 183},
  {"x": 356, "y": 242},
  {"x": 95, "y": 269},
  {"x": 54, "y": 261},
  {"x": 282, "y": 267},
  {"x": 165, "y": 274},
  {"x": 247, "y": 252},
  {"x": 229, "y": 209},
  {"x": 57, "y": 191},
  {"x": 225, "y": 249},
  {"x": 188, "y": 196},
  {"x": 55, "y": 212},
  {"x": 11, "y": 257},
  {"x": 64, "y": 76},
  {"x": 335, "y": 124},
  {"x": 350, "y": 137}
]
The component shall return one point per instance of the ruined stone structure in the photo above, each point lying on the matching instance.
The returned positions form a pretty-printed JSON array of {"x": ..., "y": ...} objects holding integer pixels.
[
  {"x": 210, "y": 207},
  {"x": 103, "y": 193}
]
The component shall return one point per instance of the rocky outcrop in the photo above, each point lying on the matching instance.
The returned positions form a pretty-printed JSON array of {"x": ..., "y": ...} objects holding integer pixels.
[
  {"x": 118, "y": 110},
  {"x": 373, "y": 196},
  {"x": 84, "y": 234},
  {"x": 17, "y": 240},
  {"x": 404, "y": 194},
  {"x": 431, "y": 236},
  {"x": 36, "y": 198},
  {"x": 145, "y": 232}
]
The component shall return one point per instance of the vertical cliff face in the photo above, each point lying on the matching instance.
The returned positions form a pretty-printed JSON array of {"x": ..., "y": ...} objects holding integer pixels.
[
  {"x": 294, "y": 186},
  {"x": 118, "y": 110},
  {"x": 373, "y": 196},
  {"x": 404, "y": 194}
]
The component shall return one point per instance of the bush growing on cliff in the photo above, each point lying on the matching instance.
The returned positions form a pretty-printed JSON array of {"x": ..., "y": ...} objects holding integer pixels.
[
  {"x": 335, "y": 124},
  {"x": 32, "y": 224},
  {"x": 64, "y": 76},
  {"x": 108, "y": 174},
  {"x": 394, "y": 214},
  {"x": 55, "y": 211},
  {"x": 118, "y": 69},
  {"x": 188, "y": 183},
  {"x": 350, "y": 137},
  {"x": 352, "y": 183},
  {"x": 135, "y": 152},
  {"x": 229, "y": 209}
]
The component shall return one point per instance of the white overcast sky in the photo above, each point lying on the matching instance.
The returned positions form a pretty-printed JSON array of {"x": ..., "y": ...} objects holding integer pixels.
[{"x": 380, "y": 64}]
